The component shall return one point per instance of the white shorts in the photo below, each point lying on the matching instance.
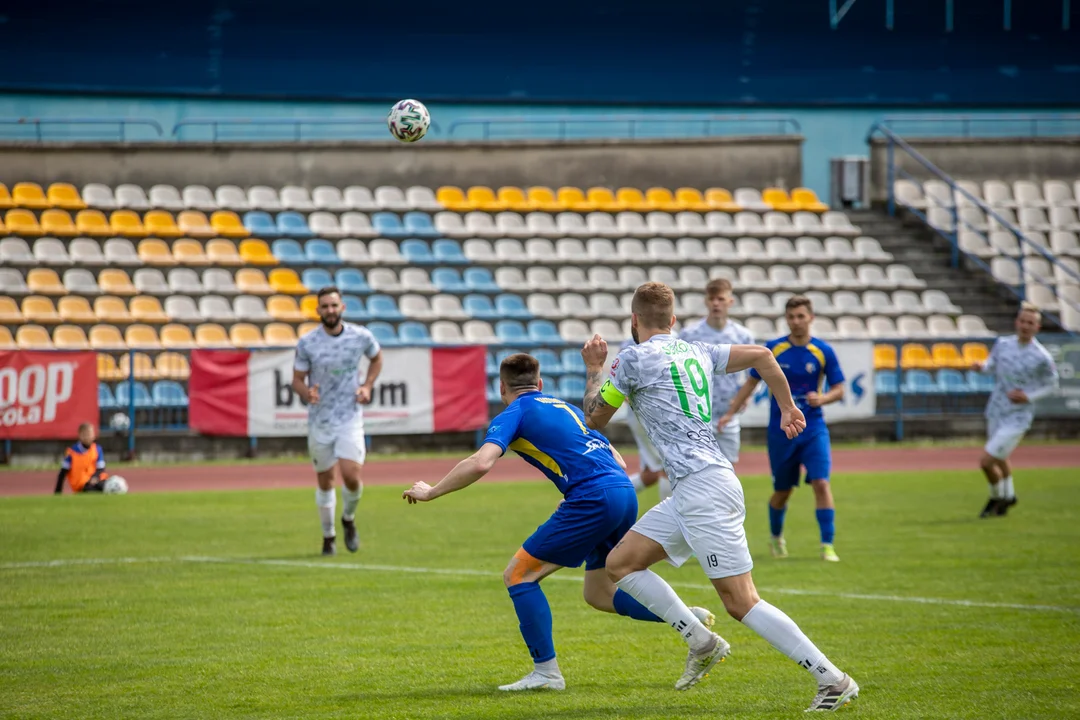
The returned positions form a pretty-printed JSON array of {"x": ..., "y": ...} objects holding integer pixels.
[
  {"x": 647, "y": 455},
  {"x": 704, "y": 517},
  {"x": 347, "y": 444},
  {"x": 1004, "y": 435},
  {"x": 729, "y": 439}
]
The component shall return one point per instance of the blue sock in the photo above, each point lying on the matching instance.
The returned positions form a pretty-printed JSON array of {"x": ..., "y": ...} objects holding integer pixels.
[
  {"x": 626, "y": 605},
  {"x": 534, "y": 620},
  {"x": 776, "y": 520},
  {"x": 826, "y": 520}
]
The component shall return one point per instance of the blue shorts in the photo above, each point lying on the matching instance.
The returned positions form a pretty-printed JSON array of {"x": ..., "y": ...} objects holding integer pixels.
[
  {"x": 586, "y": 526},
  {"x": 810, "y": 450}
]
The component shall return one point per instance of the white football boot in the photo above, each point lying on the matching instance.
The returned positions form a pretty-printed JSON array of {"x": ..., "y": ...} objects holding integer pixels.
[
  {"x": 699, "y": 665},
  {"x": 535, "y": 681},
  {"x": 833, "y": 697}
]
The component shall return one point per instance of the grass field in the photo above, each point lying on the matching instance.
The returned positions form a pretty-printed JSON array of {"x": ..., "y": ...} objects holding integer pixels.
[{"x": 216, "y": 605}]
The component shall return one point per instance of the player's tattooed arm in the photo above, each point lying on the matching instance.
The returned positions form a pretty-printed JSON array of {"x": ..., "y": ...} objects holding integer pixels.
[{"x": 598, "y": 411}]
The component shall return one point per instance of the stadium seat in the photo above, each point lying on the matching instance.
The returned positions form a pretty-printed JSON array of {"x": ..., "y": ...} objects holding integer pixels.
[
  {"x": 946, "y": 355},
  {"x": 173, "y": 365},
  {"x": 106, "y": 337},
  {"x": 952, "y": 382},
  {"x": 418, "y": 224},
  {"x": 165, "y": 197},
  {"x": 169, "y": 394},
  {"x": 128, "y": 393},
  {"x": 245, "y": 335},
  {"x": 326, "y": 224},
  {"x": 316, "y": 279},
  {"x": 915, "y": 355},
  {"x": 919, "y": 382},
  {"x": 778, "y": 200},
  {"x": 251, "y": 309},
  {"x": 980, "y": 382},
  {"x": 56, "y": 222},
  {"x": 974, "y": 352},
  {"x": 971, "y": 326},
  {"x": 384, "y": 307},
  {"x": 254, "y": 251},
  {"x": 412, "y": 332},
  {"x": 147, "y": 309},
  {"x": 452, "y": 198},
  {"x": 180, "y": 307},
  {"x": 29, "y": 195},
  {"x": 80, "y": 281},
  {"x": 131, "y": 197},
  {"x": 22, "y": 222},
  {"x": 416, "y": 252},
  {"x": 542, "y": 199},
  {"x": 144, "y": 366},
  {"x": 572, "y": 198},
  {"x": 388, "y": 225},
  {"x": 153, "y": 251},
  {"x": 885, "y": 382},
  {"x": 884, "y": 357},
  {"x": 142, "y": 336},
  {"x": 10, "y": 313},
  {"x": 632, "y": 199},
  {"x": 107, "y": 369},
  {"x": 351, "y": 280},
  {"x": 222, "y": 252},
  {"x": 176, "y": 336},
  {"x": 294, "y": 197},
  {"x": 481, "y": 197},
  {"x": 293, "y": 223},
  {"x": 359, "y": 198},
  {"x": 511, "y": 331},
  {"x": 513, "y": 198},
  {"x": 512, "y": 307},
  {"x": 222, "y": 222},
  {"x": 806, "y": 199},
  {"x": 15, "y": 251},
  {"x": 279, "y": 335},
  {"x": 661, "y": 199},
  {"x": 480, "y": 307},
  {"x": 99, "y": 196},
  {"x": 33, "y": 337},
  {"x": 384, "y": 332},
  {"x": 216, "y": 308},
  {"x": 120, "y": 251},
  {"x": 5, "y": 197},
  {"x": 448, "y": 252},
  {"x": 284, "y": 250},
  {"x": 419, "y": 197},
  {"x": 193, "y": 223},
  {"x": 286, "y": 281},
  {"x": 573, "y": 330},
  {"x": 65, "y": 196},
  {"x": 285, "y": 308},
  {"x": 253, "y": 282},
  {"x": 150, "y": 281},
  {"x": 263, "y": 197},
  {"x": 126, "y": 223},
  {"x": 39, "y": 309},
  {"x": 383, "y": 280},
  {"x": 480, "y": 280},
  {"x": 354, "y": 308},
  {"x": 721, "y": 199},
  {"x": 258, "y": 222},
  {"x": 44, "y": 281},
  {"x": 199, "y": 197},
  {"x": 161, "y": 224}
]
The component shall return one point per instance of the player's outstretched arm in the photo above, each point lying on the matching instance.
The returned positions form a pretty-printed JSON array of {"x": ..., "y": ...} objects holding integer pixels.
[
  {"x": 597, "y": 410},
  {"x": 761, "y": 359},
  {"x": 464, "y": 474}
]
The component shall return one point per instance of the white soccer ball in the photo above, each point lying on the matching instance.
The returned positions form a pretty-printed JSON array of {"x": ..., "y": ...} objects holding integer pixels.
[
  {"x": 120, "y": 421},
  {"x": 116, "y": 485},
  {"x": 408, "y": 120}
]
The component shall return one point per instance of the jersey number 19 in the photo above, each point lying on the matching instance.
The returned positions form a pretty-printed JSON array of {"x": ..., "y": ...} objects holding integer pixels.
[{"x": 699, "y": 383}]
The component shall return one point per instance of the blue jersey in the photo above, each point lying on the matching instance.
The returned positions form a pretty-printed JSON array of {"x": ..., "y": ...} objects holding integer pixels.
[
  {"x": 807, "y": 368},
  {"x": 552, "y": 437}
]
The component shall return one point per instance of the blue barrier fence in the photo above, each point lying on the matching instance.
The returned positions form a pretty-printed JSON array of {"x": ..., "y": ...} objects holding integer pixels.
[
  {"x": 60, "y": 128},
  {"x": 288, "y": 129},
  {"x": 970, "y": 126},
  {"x": 620, "y": 126}
]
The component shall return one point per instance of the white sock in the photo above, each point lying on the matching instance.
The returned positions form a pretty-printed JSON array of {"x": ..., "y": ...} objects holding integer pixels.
[
  {"x": 783, "y": 634},
  {"x": 665, "y": 487},
  {"x": 325, "y": 500},
  {"x": 349, "y": 501},
  {"x": 635, "y": 480},
  {"x": 653, "y": 592},
  {"x": 548, "y": 668},
  {"x": 997, "y": 490},
  {"x": 1007, "y": 491}
]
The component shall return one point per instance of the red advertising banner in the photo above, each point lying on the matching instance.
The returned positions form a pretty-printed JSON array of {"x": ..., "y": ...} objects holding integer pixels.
[{"x": 47, "y": 395}]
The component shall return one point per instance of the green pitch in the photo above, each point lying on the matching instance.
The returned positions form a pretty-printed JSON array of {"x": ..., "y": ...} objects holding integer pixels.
[{"x": 216, "y": 605}]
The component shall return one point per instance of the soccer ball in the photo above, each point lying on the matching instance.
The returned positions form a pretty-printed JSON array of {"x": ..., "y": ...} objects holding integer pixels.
[
  {"x": 408, "y": 120},
  {"x": 116, "y": 485},
  {"x": 120, "y": 422}
]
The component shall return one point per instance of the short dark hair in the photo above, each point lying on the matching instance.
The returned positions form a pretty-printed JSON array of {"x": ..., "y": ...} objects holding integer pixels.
[
  {"x": 718, "y": 286},
  {"x": 328, "y": 290},
  {"x": 85, "y": 426},
  {"x": 798, "y": 301},
  {"x": 654, "y": 304},
  {"x": 520, "y": 371}
]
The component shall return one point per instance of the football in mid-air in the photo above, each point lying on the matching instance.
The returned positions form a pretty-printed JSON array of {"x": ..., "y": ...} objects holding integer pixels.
[{"x": 408, "y": 120}]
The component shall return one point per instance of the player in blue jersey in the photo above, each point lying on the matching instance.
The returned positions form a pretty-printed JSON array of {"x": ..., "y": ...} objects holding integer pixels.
[
  {"x": 807, "y": 363},
  {"x": 599, "y": 507}
]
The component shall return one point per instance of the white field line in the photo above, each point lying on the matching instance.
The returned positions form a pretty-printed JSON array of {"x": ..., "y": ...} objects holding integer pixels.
[{"x": 469, "y": 572}]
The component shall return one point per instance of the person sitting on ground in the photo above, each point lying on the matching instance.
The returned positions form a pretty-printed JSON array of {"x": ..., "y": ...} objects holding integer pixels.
[{"x": 83, "y": 465}]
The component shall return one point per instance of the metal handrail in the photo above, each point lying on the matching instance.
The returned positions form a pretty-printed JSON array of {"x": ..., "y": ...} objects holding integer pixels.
[
  {"x": 122, "y": 122},
  {"x": 966, "y": 121},
  {"x": 784, "y": 122},
  {"x": 297, "y": 124}
]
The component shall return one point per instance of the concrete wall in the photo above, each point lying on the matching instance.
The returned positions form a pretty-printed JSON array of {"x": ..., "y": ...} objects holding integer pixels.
[{"x": 726, "y": 162}]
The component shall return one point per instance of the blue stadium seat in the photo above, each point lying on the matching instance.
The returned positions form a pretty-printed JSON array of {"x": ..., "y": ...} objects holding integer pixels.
[
  {"x": 448, "y": 280},
  {"x": 354, "y": 309},
  {"x": 544, "y": 332},
  {"x": 549, "y": 361},
  {"x": 572, "y": 362},
  {"x": 169, "y": 394},
  {"x": 952, "y": 382},
  {"x": 418, "y": 224},
  {"x": 315, "y": 279},
  {"x": 479, "y": 280},
  {"x": 383, "y": 332},
  {"x": 480, "y": 307},
  {"x": 293, "y": 223},
  {"x": 321, "y": 252},
  {"x": 884, "y": 380},
  {"x": 980, "y": 382},
  {"x": 388, "y": 225},
  {"x": 351, "y": 280},
  {"x": 142, "y": 395},
  {"x": 384, "y": 307},
  {"x": 288, "y": 252},
  {"x": 550, "y": 385},
  {"x": 412, "y": 332},
  {"x": 449, "y": 251},
  {"x": 490, "y": 366},
  {"x": 511, "y": 331},
  {"x": 416, "y": 252},
  {"x": 260, "y": 224},
  {"x": 106, "y": 399},
  {"x": 493, "y": 395},
  {"x": 572, "y": 388},
  {"x": 919, "y": 382},
  {"x": 512, "y": 307}
]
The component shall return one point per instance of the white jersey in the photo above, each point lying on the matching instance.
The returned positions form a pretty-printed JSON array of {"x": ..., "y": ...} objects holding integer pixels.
[
  {"x": 333, "y": 363},
  {"x": 668, "y": 382},
  {"x": 1015, "y": 366},
  {"x": 726, "y": 386}
]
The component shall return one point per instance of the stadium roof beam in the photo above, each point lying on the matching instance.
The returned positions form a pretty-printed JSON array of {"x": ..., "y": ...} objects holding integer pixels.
[{"x": 838, "y": 11}]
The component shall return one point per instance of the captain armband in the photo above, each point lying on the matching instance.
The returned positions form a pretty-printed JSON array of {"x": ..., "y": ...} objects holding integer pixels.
[{"x": 611, "y": 394}]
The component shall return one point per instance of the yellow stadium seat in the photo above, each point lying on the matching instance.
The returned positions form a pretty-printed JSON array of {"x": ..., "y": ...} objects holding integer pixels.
[
  {"x": 7, "y": 342},
  {"x": 107, "y": 369},
  {"x": 691, "y": 199},
  {"x": 573, "y": 198},
  {"x": 779, "y": 200},
  {"x": 190, "y": 252},
  {"x": 106, "y": 337},
  {"x": 245, "y": 335},
  {"x": 602, "y": 199},
  {"x": 142, "y": 336},
  {"x": 126, "y": 223},
  {"x": 144, "y": 366},
  {"x": 45, "y": 281},
  {"x": 280, "y": 334},
  {"x": 252, "y": 281},
  {"x": 915, "y": 356},
  {"x": 884, "y": 357},
  {"x": 286, "y": 281},
  {"x": 542, "y": 198},
  {"x": 974, "y": 352},
  {"x": 33, "y": 337},
  {"x": 3, "y": 228},
  {"x": 147, "y": 309},
  {"x": 174, "y": 365},
  {"x": 254, "y": 251},
  {"x": 807, "y": 199},
  {"x": 513, "y": 198},
  {"x": 5, "y": 197},
  {"x": 211, "y": 335},
  {"x": 29, "y": 195},
  {"x": 111, "y": 309},
  {"x": 39, "y": 309},
  {"x": 226, "y": 223},
  {"x": 9, "y": 311},
  {"x": 222, "y": 252},
  {"x": 946, "y": 355},
  {"x": 75, "y": 309},
  {"x": 116, "y": 282},
  {"x": 309, "y": 307},
  {"x": 481, "y": 197},
  {"x": 70, "y": 337},
  {"x": 720, "y": 199},
  {"x": 161, "y": 223},
  {"x": 630, "y": 199},
  {"x": 175, "y": 335},
  {"x": 307, "y": 327},
  {"x": 661, "y": 199},
  {"x": 195, "y": 224},
  {"x": 284, "y": 308},
  {"x": 21, "y": 222},
  {"x": 155, "y": 251},
  {"x": 452, "y": 198},
  {"x": 92, "y": 223},
  {"x": 64, "y": 195},
  {"x": 58, "y": 223}
]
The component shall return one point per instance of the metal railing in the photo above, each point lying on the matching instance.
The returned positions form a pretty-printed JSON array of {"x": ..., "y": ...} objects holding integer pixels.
[
  {"x": 624, "y": 126},
  {"x": 373, "y": 128},
  {"x": 1018, "y": 125},
  {"x": 120, "y": 124}
]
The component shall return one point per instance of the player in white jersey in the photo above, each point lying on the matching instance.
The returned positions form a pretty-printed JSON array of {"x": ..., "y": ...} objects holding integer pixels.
[
  {"x": 650, "y": 464},
  {"x": 719, "y": 329},
  {"x": 1023, "y": 371},
  {"x": 326, "y": 376},
  {"x": 668, "y": 383}
]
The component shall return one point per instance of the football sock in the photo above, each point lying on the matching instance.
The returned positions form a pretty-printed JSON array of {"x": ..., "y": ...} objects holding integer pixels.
[
  {"x": 550, "y": 668},
  {"x": 631, "y": 608},
  {"x": 783, "y": 634},
  {"x": 665, "y": 487},
  {"x": 997, "y": 490},
  {"x": 1007, "y": 491},
  {"x": 326, "y": 500},
  {"x": 349, "y": 501},
  {"x": 534, "y": 620},
  {"x": 826, "y": 520},
  {"x": 635, "y": 480},
  {"x": 776, "y": 520},
  {"x": 654, "y": 593}
]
